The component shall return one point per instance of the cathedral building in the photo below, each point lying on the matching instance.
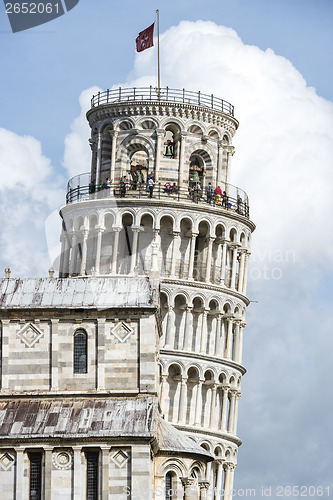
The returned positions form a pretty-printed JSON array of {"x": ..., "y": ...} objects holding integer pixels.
[{"x": 121, "y": 378}]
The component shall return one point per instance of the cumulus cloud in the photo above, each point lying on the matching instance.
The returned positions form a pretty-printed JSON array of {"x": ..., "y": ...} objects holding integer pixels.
[
  {"x": 283, "y": 160},
  {"x": 77, "y": 154},
  {"x": 29, "y": 190}
]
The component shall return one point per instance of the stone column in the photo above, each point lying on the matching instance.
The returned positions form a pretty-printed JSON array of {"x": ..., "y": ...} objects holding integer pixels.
[
  {"x": 231, "y": 411},
  {"x": 66, "y": 262},
  {"x": 54, "y": 348},
  {"x": 170, "y": 329},
  {"x": 235, "y": 351},
  {"x": 203, "y": 344},
  {"x": 100, "y": 355},
  {"x": 229, "y": 338},
  {"x": 218, "y": 338},
  {"x": 234, "y": 266},
  {"x": 238, "y": 395},
  {"x": 181, "y": 173},
  {"x": 227, "y": 482},
  {"x": 182, "y": 401},
  {"x": 99, "y": 158},
  {"x": 5, "y": 326},
  {"x": 136, "y": 231},
  {"x": 247, "y": 256},
  {"x": 225, "y": 390},
  {"x": 85, "y": 233},
  {"x": 114, "y": 135},
  {"x": 163, "y": 394},
  {"x": 47, "y": 472},
  {"x": 115, "y": 250},
  {"x": 105, "y": 452},
  {"x": 198, "y": 404},
  {"x": 223, "y": 262},
  {"x": 187, "y": 485},
  {"x": 78, "y": 474},
  {"x": 240, "y": 352},
  {"x": 219, "y": 179},
  {"x": 241, "y": 271},
  {"x": 188, "y": 329},
  {"x": 159, "y": 135},
  {"x": 100, "y": 231},
  {"x": 192, "y": 253},
  {"x": 212, "y": 419},
  {"x": 175, "y": 252},
  {"x": 219, "y": 480},
  {"x": 21, "y": 494},
  {"x": 72, "y": 266},
  {"x": 203, "y": 485},
  {"x": 209, "y": 258}
]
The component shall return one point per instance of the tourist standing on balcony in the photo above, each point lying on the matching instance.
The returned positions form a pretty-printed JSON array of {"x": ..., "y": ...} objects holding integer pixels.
[
  {"x": 151, "y": 186},
  {"x": 123, "y": 186},
  {"x": 224, "y": 199},
  {"x": 108, "y": 183},
  {"x": 209, "y": 193},
  {"x": 218, "y": 195}
]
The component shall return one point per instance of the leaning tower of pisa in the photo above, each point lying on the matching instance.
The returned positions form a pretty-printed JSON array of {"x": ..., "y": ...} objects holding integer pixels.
[{"x": 176, "y": 229}]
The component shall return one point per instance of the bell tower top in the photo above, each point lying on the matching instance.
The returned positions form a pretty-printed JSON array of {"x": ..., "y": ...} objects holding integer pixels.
[{"x": 179, "y": 137}]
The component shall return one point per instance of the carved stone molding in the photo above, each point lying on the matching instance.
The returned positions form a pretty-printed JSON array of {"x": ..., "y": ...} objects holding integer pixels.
[{"x": 30, "y": 334}]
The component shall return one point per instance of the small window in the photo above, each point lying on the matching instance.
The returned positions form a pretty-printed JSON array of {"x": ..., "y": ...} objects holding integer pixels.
[
  {"x": 170, "y": 493},
  {"x": 92, "y": 475},
  {"x": 80, "y": 351},
  {"x": 35, "y": 486}
]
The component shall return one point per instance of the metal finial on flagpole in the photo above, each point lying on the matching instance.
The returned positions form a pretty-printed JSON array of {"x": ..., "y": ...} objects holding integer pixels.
[{"x": 158, "y": 55}]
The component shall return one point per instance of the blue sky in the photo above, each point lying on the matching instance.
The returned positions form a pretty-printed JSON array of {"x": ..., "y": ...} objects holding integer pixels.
[{"x": 283, "y": 159}]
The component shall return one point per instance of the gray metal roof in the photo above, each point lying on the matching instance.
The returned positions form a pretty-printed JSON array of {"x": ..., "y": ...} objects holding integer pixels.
[
  {"x": 80, "y": 292},
  {"x": 80, "y": 418},
  {"x": 73, "y": 418},
  {"x": 173, "y": 440}
]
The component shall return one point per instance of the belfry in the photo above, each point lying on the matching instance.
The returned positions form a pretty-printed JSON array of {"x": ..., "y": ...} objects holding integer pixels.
[{"x": 121, "y": 377}]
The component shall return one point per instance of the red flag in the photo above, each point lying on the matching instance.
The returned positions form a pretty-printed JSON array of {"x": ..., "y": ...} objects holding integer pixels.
[{"x": 145, "y": 39}]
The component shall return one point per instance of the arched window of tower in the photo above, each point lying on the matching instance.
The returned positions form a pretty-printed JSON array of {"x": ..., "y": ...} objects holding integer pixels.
[
  {"x": 171, "y": 143},
  {"x": 139, "y": 165},
  {"x": 146, "y": 237},
  {"x": 166, "y": 237},
  {"x": 125, "y": 244},
  {"x": 192, "y": 394},
  {"x": 172, "y": 405}
]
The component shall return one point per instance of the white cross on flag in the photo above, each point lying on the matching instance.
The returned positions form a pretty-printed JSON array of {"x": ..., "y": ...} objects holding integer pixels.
[{"x": 145, "y": 39}]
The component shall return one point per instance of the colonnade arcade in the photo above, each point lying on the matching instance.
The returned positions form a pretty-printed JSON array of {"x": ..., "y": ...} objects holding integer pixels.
[
  {"x": 208, "y": 145},
  {"x": 200, "y": 398},
  {"x": 135, "y": 242},
  {"x": 179, "y": 480}
]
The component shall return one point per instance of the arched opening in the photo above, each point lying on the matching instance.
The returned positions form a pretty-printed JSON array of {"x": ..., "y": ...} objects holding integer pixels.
[
  {"x": 80, "y": 351},
  {"x": 139, "y": 165},
  {"x": 196, "y": 173},
  {"x": 192, "y": 393},
  {"x": 170, "y": 486},
  {"x": 198, "y": 308},
  {"x": 184, "y": 249},
  {"x": 180, "y": 305},
  {"x": 125, "y": 245},
  {"x": 107, "y": 245},
  {"x": 201, "y": 252},
  {"x": 91, "y": 245},
  {"x": 166, "y": 236},
  {"x": 146, "y": 237},
  {"x": 174, "y": 377}
]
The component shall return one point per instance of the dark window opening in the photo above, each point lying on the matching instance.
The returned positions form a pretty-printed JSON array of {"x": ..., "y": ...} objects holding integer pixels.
[
  {"x": 80, "y": 351},
  {"x": 92, "y": 475},
  {"x": 35, "y": 487}
]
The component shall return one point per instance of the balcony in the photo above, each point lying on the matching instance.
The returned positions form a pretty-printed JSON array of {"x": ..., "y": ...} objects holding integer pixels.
[
  {"x": 81, "y": 188},
  {"x": 165, "y": 94}
]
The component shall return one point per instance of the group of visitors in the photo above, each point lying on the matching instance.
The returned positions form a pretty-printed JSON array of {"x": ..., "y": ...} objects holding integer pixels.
[{"x": 170, "y": 188}]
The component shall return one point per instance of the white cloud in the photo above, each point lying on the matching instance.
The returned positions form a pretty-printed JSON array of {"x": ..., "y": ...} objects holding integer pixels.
[
  {"x": 29, "y": 190},
  {"x": 77, "y": 155}
]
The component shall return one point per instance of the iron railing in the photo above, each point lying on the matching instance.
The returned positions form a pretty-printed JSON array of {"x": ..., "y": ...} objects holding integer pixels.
[
  {"x": 165, "y": 94},
  {"x": 81, "y": 188}
]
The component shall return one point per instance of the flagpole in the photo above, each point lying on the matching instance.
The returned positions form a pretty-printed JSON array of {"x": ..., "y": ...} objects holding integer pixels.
[{"x": 158, "y": 55}]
